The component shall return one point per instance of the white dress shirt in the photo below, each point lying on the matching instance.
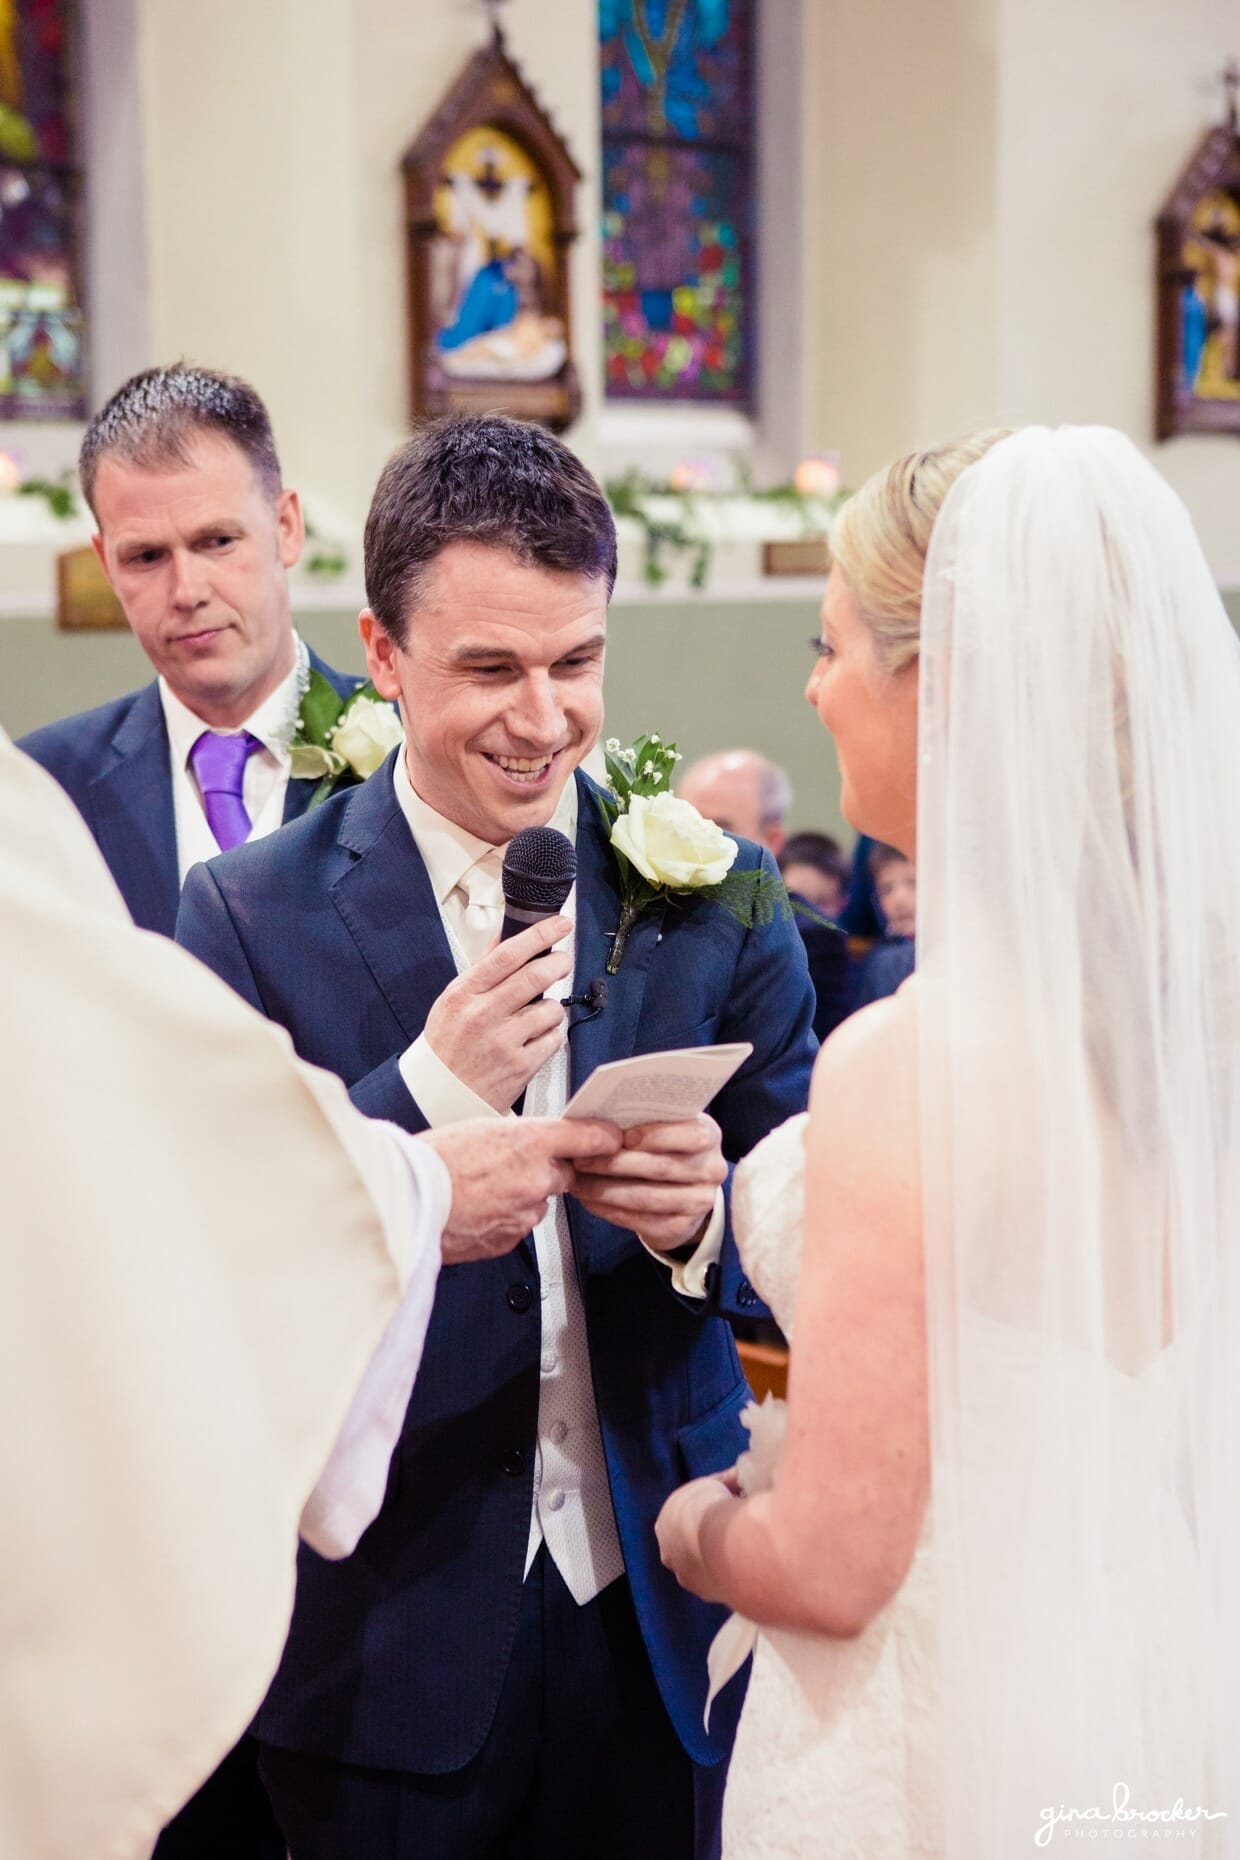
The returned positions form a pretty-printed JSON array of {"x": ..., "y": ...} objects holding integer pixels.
[
  {"x": 572, "y": 1509},
  {"x": 266, "y": 771}
]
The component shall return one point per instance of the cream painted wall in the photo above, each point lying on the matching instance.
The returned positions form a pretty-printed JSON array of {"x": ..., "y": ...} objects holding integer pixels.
[
  {"x": 981, "y": 241},
  {"x": 274, "y": 134},
  {"x": 1100, "y": 107},
  {"x": 900, "y": 147}
]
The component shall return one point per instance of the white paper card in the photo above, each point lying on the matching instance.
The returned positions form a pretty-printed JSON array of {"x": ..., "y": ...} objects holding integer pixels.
[{"x": 657, "y": 1088}]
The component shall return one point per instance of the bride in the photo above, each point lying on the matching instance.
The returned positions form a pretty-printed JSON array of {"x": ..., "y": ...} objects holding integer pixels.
[{"x": 992, "y": 1566}]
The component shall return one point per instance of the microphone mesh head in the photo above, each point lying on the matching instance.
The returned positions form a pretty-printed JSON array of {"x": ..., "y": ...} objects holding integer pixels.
[{"x": 539, "y": 868}]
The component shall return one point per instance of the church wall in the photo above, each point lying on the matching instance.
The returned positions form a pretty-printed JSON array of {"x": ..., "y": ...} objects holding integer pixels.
[
  {"x": 900, "y": 152},
  {"x": 988, "y": 173},
  {"x": 274, "y": 137},
  {"x": 253, "y": 221},
  {"x": 980, "y": 181},
  {"x": 1100, "y": 107}
]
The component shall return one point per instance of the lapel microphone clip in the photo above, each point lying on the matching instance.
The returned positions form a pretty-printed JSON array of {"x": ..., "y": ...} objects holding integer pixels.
[{"x": 594, "y": 1000}]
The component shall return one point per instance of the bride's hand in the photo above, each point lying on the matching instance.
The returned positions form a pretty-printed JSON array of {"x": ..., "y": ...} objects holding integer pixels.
[{"x": 678, "y": 1528}]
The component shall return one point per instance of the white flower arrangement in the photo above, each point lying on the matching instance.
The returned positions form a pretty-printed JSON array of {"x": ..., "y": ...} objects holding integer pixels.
[
  {"x": 666, "y": 849},
  {"x": 338, "y": 737}
]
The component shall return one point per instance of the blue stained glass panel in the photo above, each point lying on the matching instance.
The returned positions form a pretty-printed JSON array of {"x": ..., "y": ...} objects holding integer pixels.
[{"x": 678, "y": 149}]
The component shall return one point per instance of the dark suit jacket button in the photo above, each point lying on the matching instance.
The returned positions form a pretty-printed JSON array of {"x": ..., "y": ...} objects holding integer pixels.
[
  {"x": 520, "y": 1297},
  {"x": 512, "y": 1461},
  {"x": 745, "y": 1294}
]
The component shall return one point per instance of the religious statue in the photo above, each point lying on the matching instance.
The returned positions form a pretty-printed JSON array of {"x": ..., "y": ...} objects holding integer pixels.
[
  {"x": 1198, "y": 378},
  {"x": 489, "y": 207}
]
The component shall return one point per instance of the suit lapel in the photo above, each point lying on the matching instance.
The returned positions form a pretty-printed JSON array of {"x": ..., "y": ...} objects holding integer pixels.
[
  {"x": 133, "y": 817},
  {"x": 612, "y": 1033},
  {"x": 385, "y": 899}
]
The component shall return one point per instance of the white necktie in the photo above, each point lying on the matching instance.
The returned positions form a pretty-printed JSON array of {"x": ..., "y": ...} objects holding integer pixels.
[{"x": 484, "y": 911}]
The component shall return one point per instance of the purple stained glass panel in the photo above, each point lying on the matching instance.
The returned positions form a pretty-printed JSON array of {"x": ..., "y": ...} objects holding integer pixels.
[{"x": 677, "y": 95}]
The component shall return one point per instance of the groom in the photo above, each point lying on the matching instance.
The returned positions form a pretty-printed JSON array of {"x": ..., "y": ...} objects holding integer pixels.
[{"x": 504, "y": 1667}]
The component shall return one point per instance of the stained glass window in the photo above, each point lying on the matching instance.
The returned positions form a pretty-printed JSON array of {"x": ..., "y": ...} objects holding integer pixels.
[
  {"x": 678, "y": 250},
  {"x": 41, "y": 328}
]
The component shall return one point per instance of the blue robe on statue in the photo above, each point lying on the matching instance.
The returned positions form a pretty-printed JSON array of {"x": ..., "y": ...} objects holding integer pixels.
[{"x": 490, "y": 302}]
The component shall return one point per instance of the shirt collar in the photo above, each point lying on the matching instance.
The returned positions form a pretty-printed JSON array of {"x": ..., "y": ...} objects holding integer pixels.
[
  {"x": 273, "y": 723},
  {"x": 448, "y": 851}
]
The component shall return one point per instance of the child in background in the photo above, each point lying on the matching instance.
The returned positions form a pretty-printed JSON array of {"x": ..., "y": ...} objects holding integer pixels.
[
  {"x": 814, "y": 866},
  {"x": 892, "y": 960}
]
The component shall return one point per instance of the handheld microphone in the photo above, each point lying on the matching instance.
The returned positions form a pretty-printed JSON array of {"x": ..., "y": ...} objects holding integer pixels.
[{"x": 539, "y": 869}]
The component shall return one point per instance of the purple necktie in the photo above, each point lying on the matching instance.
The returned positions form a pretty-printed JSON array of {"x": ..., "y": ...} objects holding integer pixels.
[{"x": 219, "y": 764}]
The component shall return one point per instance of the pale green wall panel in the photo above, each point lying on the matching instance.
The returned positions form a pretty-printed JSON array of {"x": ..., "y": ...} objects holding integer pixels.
[{"x": 708, "y": 674}]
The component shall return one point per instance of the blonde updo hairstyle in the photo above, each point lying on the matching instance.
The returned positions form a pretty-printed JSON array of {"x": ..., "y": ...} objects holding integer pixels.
[{"x": 881, "y": 536}]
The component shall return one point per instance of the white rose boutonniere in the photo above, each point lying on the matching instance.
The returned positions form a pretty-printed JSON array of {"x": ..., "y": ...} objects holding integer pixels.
[
  {"x": 671, "y": 844},
  {"x": 368, "y": 729},
  {"x": 341, "y": 737},
  {"x": 666, "y": 849}
]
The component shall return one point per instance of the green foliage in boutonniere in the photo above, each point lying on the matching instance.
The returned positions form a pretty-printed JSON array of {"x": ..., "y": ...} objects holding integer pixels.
[
  {"x": 341, "y": 737},
  {"x": 665, "y": 849}
]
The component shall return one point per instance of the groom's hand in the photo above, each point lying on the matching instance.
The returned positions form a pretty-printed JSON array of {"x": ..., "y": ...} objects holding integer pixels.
[
  {"x": 503, "y": 1176},
  {"x": 662, "y": 1184},
  {"x": 491, "y": 1027}
]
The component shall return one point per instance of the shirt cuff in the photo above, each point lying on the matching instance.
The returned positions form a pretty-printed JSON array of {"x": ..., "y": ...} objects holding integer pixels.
[
  {"x": 441, "y": 1097},
  {"x": 689, "y": 1275}
]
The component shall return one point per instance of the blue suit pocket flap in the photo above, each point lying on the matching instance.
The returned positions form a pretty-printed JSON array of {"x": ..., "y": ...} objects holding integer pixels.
[{"x": 712, "y": 1443}]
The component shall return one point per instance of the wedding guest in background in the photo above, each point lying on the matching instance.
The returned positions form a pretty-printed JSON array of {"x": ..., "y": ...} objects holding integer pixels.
[
  {"x": 197, "y": 533},
  {"x": 895, "y": 889},
  {"x": 861, "y": 918},
  {"x": 816, "y": 868},
  {"x": 894, "y": 957},
  {"x": 504, "y": 1666},
  {"x": 744, "y": 792}
]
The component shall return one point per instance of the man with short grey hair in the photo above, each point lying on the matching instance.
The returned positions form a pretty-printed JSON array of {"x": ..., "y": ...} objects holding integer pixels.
[
  {"x": 745, "y": 792},
  {"x": 197, "y": 533},
  {"x": 742, "y": 792}
]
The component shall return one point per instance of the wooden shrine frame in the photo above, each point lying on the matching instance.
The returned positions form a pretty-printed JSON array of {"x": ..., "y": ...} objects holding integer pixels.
[
  {"x": 1214, "y": 168},
  {"x": 489, "y": 94}
]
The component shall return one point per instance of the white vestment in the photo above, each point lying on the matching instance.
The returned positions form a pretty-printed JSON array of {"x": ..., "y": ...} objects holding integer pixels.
[{"x": 204, "y": 1247}]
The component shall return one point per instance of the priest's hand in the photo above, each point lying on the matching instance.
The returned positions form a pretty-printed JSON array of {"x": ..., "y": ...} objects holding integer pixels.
[{"x": 504, "y": 1174}]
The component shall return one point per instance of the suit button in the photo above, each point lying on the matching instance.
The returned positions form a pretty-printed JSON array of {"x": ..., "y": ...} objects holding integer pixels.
[
  {"x": 512, "y": 1461},
  {"x": 745, "y": 1294},
  {"x": 520, "y": 1297}
]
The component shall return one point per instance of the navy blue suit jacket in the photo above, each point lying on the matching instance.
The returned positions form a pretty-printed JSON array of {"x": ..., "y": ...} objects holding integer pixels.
[
  {"x": 113, "y": 764},
  {"x": 396, "y": 1656}
]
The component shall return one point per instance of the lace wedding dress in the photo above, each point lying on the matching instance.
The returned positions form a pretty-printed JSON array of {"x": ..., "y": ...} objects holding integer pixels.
[{"x": 838, "y": 1753}]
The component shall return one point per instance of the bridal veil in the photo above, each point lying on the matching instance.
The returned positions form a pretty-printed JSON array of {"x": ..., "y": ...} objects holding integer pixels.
[{"x": 1079, "y": 959}]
